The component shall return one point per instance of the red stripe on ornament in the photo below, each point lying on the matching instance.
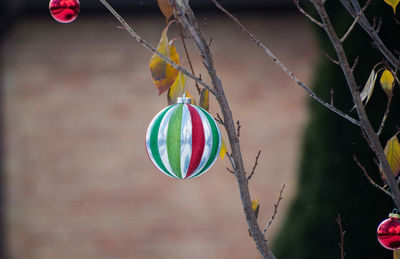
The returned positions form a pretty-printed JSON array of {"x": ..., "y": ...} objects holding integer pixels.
[{"x": 198, "y": 140}]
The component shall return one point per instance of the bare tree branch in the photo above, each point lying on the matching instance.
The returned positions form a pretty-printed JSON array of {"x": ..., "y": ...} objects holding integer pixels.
[
  {"x": 231, "y": 161},
  {"x": 286, "y": 70},
  {"x": 377, "y": 25},
  {"x": 254, "y": 166},
  {"x": 386, "y": 115},
  {"x": 369, "y": 177},
  {"x": 219, "y": 119},
  {"x": 331, "y": 92},
  {"x": 354, "y": 64},
  {"x": 186, "y": 17},
  {"x": 296, "y": 2},
  {"x": 230, "y": 170},
  {"x": 276, "y": 206},
  {"x": 342, "y": 232},
  {"x": 332, "y": 60},
  {"x": 238, "y": 128}
]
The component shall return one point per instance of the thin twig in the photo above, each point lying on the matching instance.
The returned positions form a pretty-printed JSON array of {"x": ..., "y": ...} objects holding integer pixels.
[
  {"x": 396, "y": 20},
  {"x": 230, "y": 171},
  {"x": 255, "y": 165},
  {"x": 219, "y": 119},
  {"x": 334, "y": 61},
  {"x": 231, "y": 161},
  {"x": 331, "y": 92},
  {"x": 188, "y": 57},
  {"x": 386, "y": 115},
  {"x": 285, "y": 69},
  {"x": 367, "y": 140},
  {"x": 276, "y": 206},
  {"x": 342, "y": 232},
  {"x": 350, "y": 29},
  {"x": 369, "y": 177},
  {"x": 146, "y": 45},
  {"x": 377, "y": 25},
  {"x": 296, "y": 2},
  {"x": 238, "y": 128},
  {"x": 354, "y": 64},
  {"x": 355, "y": 22},
  {"x": 204, "y": 25}
]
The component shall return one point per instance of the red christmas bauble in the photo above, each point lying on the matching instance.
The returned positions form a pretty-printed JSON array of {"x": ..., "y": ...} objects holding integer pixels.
[
  {"x": 388, "y": 232},
  {"x": 64, "y": 11}
]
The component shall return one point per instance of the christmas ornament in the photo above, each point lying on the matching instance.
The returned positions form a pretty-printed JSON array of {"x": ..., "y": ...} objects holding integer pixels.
[
  {"x": 64, "y": 11},
  {"x": 388, "y": 232},
  {"x": 183, "y": 140}
]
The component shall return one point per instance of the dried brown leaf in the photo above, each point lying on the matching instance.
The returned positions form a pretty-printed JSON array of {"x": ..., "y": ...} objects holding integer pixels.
[
  {"x": 163, "y": 74},
  {"x": 165, "y": 8}
]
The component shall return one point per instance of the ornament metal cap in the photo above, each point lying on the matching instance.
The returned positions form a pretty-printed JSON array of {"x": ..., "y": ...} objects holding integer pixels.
[
  {"x": 184, "y": 99},
  {"x": 394, "y": 215}
]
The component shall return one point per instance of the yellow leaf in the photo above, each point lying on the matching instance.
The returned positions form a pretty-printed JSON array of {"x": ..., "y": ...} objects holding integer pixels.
[
  {"x": 386, "y": 81},
  {"x": 165, "y": 8},
  {"x": 223, "y": 151},
  {"x": 255, "y": 205},
  {"x": 393, "y": 3},
  {"x": 163, "y": 74},
  {"x": 204, "y": 100},
  {"x": 392, "y": 152},
  {"x": 177, "y": 89},
  {"x": 396, "y": 254}
]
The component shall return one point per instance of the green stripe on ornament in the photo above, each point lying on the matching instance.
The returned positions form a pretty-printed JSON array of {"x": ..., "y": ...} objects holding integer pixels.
[
  {"x": 174, "y": 140},
  {"x": 216, "y": 144},
  {"x": 154, "y": 142}
]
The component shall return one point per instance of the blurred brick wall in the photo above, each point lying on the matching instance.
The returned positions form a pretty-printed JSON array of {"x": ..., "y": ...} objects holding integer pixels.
[{"x": 78, "y": 99}]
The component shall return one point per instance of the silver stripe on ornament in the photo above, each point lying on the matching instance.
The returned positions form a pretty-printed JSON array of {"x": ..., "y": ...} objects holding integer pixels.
[
  {"x": 186, "y": 140},
  {"x": 162, "y": 141}
]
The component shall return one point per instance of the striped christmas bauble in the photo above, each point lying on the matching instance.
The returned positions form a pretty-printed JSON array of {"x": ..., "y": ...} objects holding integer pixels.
[{"x": 183, "y": 140}]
